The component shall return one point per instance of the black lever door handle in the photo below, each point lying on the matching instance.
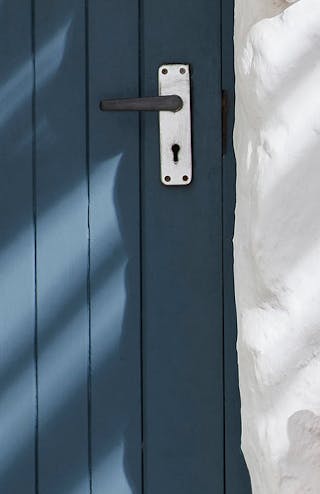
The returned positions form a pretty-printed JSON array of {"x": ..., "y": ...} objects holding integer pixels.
[{"x": 155, "y": 103}]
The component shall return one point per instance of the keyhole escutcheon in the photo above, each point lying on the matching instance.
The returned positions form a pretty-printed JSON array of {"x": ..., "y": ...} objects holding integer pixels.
[{"x": 175, "y": 149}]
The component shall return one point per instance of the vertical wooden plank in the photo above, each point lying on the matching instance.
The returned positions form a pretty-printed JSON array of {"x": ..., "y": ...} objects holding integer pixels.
[
  {"x": 62, "y": 247},
  {"x": 17, "y": 377},
  {"x": 115, "y": 254},
  {"x": 17, "y": 370},
  {"x": 237, "y": 478},
  {"x": 182, "y": 265}
]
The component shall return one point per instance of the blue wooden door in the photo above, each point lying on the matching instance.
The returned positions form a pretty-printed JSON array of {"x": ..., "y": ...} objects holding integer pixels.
[{"x": 117, "y": 334}]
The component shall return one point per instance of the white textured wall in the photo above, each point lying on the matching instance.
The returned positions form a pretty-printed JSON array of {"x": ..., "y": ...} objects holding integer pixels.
[{"x": 277, "y": 241}]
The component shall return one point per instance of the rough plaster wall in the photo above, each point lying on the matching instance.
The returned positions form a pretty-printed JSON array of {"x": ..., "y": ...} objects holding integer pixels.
[{"x": 277, "y": 241}]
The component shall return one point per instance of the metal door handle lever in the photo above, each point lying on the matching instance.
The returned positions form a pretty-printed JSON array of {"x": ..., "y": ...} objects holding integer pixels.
[
  {"x": 173, "y": 107},
  {"x": 155, "y": 103}
]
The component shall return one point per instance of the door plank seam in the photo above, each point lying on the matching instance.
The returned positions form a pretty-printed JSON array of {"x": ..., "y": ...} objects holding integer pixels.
[
  {"x": 87, "y": 151},
  {"x": 140, "y": 158},
  {"x": 34, "y": 212}
]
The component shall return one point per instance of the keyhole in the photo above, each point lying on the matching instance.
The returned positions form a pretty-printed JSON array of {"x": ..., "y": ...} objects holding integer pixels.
[{"x": 175, "y": 149}]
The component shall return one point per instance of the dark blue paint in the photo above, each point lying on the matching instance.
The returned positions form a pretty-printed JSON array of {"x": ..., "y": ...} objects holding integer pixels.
[
  {"x": 236, "y": 475},
  {"x": 182, "y": 265},
  {"x": 17, "y": 326},
  {"x": 117, "y": 330},
  {"x": 115, "y": 250},
  {"x": 62, "y": 247}
]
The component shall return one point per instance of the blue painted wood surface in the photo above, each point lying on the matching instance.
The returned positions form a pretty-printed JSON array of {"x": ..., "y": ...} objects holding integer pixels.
[
  {"x": 17, "y": 266},
  {"x": 236, "y": 474},
  {"x": 61, "y": 246},
  {"x": 114, "y": 156},
  {"x": 182, "y": 266},
  {"x": 118, "y": 365}
]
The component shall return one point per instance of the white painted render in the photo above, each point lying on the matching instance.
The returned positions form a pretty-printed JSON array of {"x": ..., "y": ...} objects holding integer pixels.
[{"x": 277, "y": 241}]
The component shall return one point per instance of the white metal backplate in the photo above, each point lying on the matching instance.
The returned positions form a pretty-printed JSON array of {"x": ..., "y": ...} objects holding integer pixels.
[{"x": 175, "y": 127}]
